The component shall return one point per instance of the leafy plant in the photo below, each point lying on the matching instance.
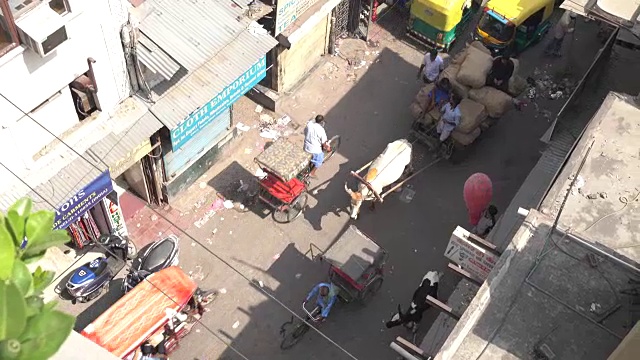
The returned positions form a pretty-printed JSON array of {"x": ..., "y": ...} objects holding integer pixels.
[{"x": 29, "y": 328}]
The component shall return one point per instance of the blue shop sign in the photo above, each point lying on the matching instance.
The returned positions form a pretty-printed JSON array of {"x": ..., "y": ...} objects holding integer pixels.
[
  {"x": 83, "y": 200},
  {"x": 202, "y": 117}
]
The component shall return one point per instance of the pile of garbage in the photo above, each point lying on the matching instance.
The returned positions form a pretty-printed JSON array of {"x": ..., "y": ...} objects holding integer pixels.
[
  {"x": 542, "y": 85},
  {"x": 273, "y": 129}
]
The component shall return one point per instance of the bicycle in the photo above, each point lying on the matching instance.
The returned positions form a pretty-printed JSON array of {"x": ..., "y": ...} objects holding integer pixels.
[{"x": 300, "y": 328}]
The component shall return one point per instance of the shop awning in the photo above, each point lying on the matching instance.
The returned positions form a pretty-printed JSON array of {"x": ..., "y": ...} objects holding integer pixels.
[
  {"x": 219, "y": 45},
  {"x": 155, "y": 59},
  {"x": 123, "y": 149}
]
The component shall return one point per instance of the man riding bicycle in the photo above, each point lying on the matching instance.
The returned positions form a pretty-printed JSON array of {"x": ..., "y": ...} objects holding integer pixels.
[{"x": 326, "y": 297}]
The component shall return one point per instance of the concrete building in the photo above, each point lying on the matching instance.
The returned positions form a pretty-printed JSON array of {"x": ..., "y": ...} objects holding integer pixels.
[{"x": 567, "y": 283}]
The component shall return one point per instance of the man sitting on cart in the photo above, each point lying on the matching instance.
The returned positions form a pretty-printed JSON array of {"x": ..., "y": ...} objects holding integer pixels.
[
  {"x": 326, "y": 295},
  {"x": 315, "y": 141},
  {"x": 439, "y": 95},
  {"x": 450, "y": 118}
]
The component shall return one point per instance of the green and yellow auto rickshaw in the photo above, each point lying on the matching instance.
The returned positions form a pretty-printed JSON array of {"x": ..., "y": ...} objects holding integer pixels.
[
  {"x": 513, "y": 25},
  {"x": 437, "y": 23}
]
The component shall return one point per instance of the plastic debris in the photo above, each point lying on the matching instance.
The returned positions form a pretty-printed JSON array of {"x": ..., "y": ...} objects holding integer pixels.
[
  {"x": 193, "y": 244},
  {"x": 214, "y": 231},
  {"x": 276, "y": 256},
  {"x": 260, "y": 174},
  {"x": 203, "y": 185},
  {"x": 284, "y": 120},
  {"x": 228, "y": 204},
  {"x": 235, "y": 324},
  {"x": 242, "y": 127},
  {"x": 298, "y": 276},
  {"x": 556, "y": 95},
  {"x": 260, "y": 283},
  {"x": 269, "y": 134},
  {"x": 154, "y": 217},
  {"x": 258, "y": 108},
  {"x": 222, "y": 291}
]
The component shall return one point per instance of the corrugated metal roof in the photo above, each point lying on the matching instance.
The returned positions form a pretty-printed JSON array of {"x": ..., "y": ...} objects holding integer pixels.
[
  {"x": 115, "y": 147},
  {"x": 155, "y": 58},
  {"x": 193, "y": 31},
  {"x": 209, "y": 80}
]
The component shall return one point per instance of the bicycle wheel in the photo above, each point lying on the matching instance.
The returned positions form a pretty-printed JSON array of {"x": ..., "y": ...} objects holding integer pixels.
[
  {"x": 294, "y": 337},
  {"x": 334, "y": 143},
  {"x": 287, "y": 213}
]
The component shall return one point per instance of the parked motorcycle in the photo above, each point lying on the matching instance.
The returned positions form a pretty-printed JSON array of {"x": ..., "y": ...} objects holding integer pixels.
[
  {"x": 159, "y": 255},
  {"x": 92, "y": 278}
]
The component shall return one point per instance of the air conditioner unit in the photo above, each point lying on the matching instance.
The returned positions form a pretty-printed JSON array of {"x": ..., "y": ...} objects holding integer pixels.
[{"x": 42, "y": 30}]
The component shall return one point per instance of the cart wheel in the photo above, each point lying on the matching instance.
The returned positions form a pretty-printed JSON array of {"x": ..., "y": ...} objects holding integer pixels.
[
  {"x": 371, "y": 290},
  {"x": 287, "y": 213},
  {"x": 294, "y": 337},
  {"x": 334, "y": 143}
]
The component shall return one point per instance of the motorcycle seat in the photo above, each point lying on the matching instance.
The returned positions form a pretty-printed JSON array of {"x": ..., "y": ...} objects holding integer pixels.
[{"x": 158, "y": 256}]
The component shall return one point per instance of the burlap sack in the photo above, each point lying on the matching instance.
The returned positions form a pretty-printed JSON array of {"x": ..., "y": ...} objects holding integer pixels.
[
  {"x": 451, "y": 72},
  {"x": 422, "y": 98},
  {"x": 465, "y": 139},
  {"x": 432, "y": 116},
  {"x": 517, "y": 85},
  {"x": 480, "y": 46},
  {"x": 495, "y": 101},
  {"x": 473, "y": 71},
  {"x": 473, "y": 114},
  {"x": 416, "y": 110}
]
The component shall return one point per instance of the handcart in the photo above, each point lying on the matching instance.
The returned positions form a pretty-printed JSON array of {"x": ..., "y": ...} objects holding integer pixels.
[
  {"x": 357, "y": 265},
  {"x": 286, "y": 168}
]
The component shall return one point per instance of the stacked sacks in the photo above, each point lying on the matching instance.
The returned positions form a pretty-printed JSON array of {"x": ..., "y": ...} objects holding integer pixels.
[
  {"x": 473, "y": 114},
  {"x": 475, "y": 68},
  {"x": 495, "y": 101},
  {"x": 451, "y": 73}
]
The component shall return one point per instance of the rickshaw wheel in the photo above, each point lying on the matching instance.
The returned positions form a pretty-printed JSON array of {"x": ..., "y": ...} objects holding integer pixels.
[
  {"x": 287, "y": 213},
  {"x": 294, "y": 337},
  {"x": 371, "y": 290},
  {"x": 334, "y": 143}
]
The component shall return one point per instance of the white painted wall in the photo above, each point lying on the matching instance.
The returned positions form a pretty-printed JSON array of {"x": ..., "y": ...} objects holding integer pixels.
[{"x": 93, "y": 28}]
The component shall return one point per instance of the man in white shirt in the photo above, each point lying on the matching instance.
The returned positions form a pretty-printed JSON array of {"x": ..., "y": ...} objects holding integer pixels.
[
  {"x": 431, "y": 67},
  {"x": 315, "y": 142},
  {"x": 450, "y": 118}
]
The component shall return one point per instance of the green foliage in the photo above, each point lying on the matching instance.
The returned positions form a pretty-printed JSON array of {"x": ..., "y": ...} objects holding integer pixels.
[{"x": 29, "y": 328}]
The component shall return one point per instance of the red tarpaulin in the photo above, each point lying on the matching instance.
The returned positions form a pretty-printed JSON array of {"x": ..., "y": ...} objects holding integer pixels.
[
  {"x": 140, "y": 312},
  {"x": 477, "y": 193}
]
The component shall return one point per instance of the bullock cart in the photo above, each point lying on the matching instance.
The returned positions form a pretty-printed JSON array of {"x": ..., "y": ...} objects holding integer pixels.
[{"x": 285, "y": 179}]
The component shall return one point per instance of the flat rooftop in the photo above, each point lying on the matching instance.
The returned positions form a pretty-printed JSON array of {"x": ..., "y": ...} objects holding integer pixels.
[{"x": 568, "y": 285}]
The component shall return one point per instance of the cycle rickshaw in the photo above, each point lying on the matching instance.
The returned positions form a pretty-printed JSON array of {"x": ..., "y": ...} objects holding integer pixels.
[
  {"x": 286, "y": 168},
  {"x": 356, "y": 270}
]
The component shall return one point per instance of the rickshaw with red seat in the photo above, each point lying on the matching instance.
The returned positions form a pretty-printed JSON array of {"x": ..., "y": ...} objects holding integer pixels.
[
  {"x": 284, "y": 183},
  {"x": 158, "y": 312}
]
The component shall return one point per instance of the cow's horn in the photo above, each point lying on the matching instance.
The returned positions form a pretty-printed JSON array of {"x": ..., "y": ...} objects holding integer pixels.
[{"x": 346, "y": 188}]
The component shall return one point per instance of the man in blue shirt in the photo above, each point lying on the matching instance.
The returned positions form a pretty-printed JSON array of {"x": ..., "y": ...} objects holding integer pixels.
[{"x": 326, "y": 297}]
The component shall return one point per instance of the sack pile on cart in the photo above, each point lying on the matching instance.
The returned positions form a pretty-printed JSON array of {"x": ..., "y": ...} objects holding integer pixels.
[{"x": 481, "y": 105}]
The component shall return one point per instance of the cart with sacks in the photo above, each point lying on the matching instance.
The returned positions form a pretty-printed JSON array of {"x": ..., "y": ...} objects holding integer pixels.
[{"x": 481, "y": 105}]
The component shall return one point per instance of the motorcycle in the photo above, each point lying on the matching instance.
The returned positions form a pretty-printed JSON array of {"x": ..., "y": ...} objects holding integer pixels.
[
  {"x": 92, "y": 278},
  {"x": 159, "y": 255}
]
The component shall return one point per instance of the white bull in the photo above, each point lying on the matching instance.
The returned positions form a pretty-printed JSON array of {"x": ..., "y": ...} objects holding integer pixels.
[{"x": 386, "y": 169}]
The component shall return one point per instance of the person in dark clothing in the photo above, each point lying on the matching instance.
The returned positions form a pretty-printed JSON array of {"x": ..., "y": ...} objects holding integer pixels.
[{"x": 500, "y": 73}]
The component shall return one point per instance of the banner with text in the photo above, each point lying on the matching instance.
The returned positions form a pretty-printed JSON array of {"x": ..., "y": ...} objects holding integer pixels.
[
  {"x": 288, "y": 11},
  {"x": 202, "y": 117},
  {"x": 471, "y": 257},
  {"x": 83, "y": 200}
]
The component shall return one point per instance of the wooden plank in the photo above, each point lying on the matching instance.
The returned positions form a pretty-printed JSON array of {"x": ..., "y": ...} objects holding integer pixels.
[
  {"x": 410, "y": 345},
  {"x": 484, "y": 243},
  {"x": 442, "y": 306},
  {"x": 464, "y": 273}
]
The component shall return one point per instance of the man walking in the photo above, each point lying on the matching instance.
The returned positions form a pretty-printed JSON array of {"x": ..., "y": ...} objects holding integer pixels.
[
  {"x": 315, "y": 142},
  {"x": 431, "y": 67},
  {"x": 565, "y": 25},
  {"x": 500, "y": 73}
]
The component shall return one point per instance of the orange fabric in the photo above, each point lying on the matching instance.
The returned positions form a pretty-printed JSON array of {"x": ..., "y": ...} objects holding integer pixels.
[
  {"x": 139, "y": 313},
  {"x": 371, "y": 175}
]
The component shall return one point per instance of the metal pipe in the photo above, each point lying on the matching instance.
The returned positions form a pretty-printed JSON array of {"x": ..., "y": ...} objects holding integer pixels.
[
  {"x": 591, "y": 247},
  {"x": 94, "y": 84},
  {"x": 404, "y": 353},
  {"x": 572, "y": 309}
]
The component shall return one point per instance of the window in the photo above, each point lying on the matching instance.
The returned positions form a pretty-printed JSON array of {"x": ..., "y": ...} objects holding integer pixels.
[
  {"x": 8, "y": 32},
  {"x": 498, "y": 29},
  {"x": 19, "y": 7},
  {"x": 59, "y": 6}
]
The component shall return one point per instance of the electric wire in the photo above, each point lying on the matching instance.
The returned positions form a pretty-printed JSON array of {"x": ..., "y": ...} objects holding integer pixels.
[
  {"x": 225, "y": 262},
  {"x": 128, "y": 268}
]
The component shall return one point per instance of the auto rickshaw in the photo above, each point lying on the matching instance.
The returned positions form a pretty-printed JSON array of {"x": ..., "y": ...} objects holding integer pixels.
[
  {"x": 437, "y": 23},
  {"x": 512, "y": 26},
  {"x": 157, "y": 312}
]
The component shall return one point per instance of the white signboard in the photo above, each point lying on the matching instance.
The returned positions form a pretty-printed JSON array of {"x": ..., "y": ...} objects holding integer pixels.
[
  {"x": 471, "y": 257},
  {"x": 288, "y": 11}
]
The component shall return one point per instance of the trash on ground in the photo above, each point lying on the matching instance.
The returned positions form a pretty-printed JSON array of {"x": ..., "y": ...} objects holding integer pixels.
[
  {"x": 276, "y": 256},
  {"x": 258, "y": 108},
  {"x": 154, "y": 217},
  {"x": 284, "y": 120},
  {"x": 193, "y": 244},
  {"x": 228, "y": 204},
  {"x": 222, "y": 291},
  {"x": 260, "y": 174},
  {"x": 578, "y": 185},
  {"x": 248, "y": 150},
  {"x": 269, "y": 134},
  {"x": 203, "y": 185},
  {"x": 214, "y": 231},
  {"x": 242, "y": 127},
  {"x": 235, "y": 324},
  {"x": 218, "y": 204},
  {"x": 298, "y": 276},
  {"x": 260, "y": 283}
]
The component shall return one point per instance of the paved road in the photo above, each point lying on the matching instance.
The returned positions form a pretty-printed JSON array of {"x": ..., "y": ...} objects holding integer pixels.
[{"x": 368, "y": 114}]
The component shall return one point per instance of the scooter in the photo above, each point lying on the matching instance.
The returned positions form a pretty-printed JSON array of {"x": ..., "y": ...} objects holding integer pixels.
[
  {"x": 159, "y": 255},
  {"x": 92, "y": 278}
]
